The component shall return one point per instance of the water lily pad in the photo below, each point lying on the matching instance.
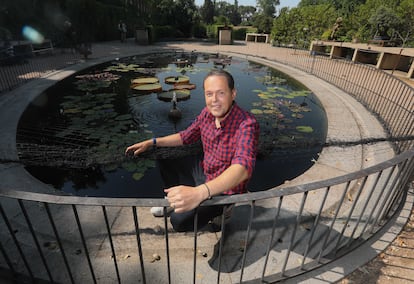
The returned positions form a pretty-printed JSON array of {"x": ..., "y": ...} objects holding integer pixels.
[
  {"x": 304, "y": 129},
  {"x": 269, "y": 80},
  {"x": 122, "y": 67},
  {"x": 184, "y": 86},
  {"x": 256, "y": 111},
  {"x": 129, "y": 166},
  {"x": 110, "y": 167},
  {"x": 297, "y": 115},
  {"x": 181, "y": 95},
  {"x": 147, "y": 88},
  {"x": 177, "y": 79},
  {"x": 137, "y": 176},
  {"x": 145, "y": 80}
]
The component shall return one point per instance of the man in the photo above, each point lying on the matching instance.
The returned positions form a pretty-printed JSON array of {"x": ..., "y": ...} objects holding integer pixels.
[{"x": 229, "y": 136}]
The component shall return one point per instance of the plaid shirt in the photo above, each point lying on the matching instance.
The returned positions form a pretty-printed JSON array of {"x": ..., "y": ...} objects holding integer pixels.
[{"x": 235, "y": 142}]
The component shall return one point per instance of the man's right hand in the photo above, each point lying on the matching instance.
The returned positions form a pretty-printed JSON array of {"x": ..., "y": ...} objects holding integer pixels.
[{"x": 138, "y": 148}]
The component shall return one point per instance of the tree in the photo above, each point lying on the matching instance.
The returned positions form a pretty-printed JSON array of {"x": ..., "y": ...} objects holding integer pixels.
[
  {"x": 301, "y": 25},
  {"x": 268, "y": 7},
  {"x": 406, "y": 14},
  {"x": 246, "y": 14},
  {"x": 263, "y": 23},
  {"x": 383, "y": 20},
  {"x": 235, "y": 17},
  {"x": 207, "y": 12}
]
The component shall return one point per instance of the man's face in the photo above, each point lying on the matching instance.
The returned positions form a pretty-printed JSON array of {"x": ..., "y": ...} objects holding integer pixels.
[{"x": 219, "y": 97}]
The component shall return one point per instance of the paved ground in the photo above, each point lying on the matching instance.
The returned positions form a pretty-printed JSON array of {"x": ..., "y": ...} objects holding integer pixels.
[{"x": 361, "y": 123}]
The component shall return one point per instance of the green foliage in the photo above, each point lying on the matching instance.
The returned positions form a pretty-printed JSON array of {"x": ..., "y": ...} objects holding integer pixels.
[
  {"x": 263, "y": 23},
  {"x": 199, "y": 30},
  {"x": 221, "y": 20},
  {"x": 239, "y": 33},
  {"x": 160, "y": 32},
  {"x": 207, "y": 12},
  {"x": 268, "y": 7},
  {"x": 384, "y": 19},
  {"x": 96, "y": 20},
  {"x": 301, "y": 25}
]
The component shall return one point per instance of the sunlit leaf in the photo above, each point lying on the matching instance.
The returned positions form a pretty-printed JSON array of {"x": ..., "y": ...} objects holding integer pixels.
[{"x": 304, "y": 129}]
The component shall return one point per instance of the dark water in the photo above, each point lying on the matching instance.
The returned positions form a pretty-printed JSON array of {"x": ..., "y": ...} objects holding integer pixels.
[{"x": 73, "y": 136}]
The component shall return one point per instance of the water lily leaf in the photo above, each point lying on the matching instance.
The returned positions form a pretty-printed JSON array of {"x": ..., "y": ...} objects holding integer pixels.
[
  {"x": 103, "y": 76},
  {"x": 304, "y": 129},
  {"x": 147, "y": 88},
  {"x": 145, "y": 80},
  {"x": 110, "y": 167},
  {"x": 270, "y": 80},
  {"x": 181, "y": 95},
  {"x": 184, "y": 86},
  {"x": 121, "y": 67},
  {"x": 297, "y": 115},
  {"x": 177, "y": 79},
  {"x": 137, "y": 176},
  {"x": 129, "y": 166},
  {"x": 263, "y": 96},
  {"x": 256, "y": 111}
]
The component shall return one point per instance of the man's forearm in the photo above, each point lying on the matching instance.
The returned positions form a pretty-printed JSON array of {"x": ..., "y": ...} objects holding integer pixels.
[
  {"x": 172, "y": 140},
  {"x": 229, "y": 179}
]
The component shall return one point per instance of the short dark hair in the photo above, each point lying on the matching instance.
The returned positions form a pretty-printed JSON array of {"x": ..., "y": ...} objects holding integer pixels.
[{"x": 221, "y": 72}]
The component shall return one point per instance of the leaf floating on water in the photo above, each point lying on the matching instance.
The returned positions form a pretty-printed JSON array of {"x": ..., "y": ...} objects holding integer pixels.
[
  {"x": 145, "y": 80},
  {"x": 110, "y": 167},
  {"x": 129, "y": 166},
  {"x": 122, "y": 67},
  {"x": 256, "y": 111},
  {"x": 181, "y": 95},
  {"x": 304, "y": 129},
  {"x": 297, "y": 115},
  {"x": 147, "y": 88},
  {"x": 177, "y": 79},
  {"x": 137, "y": 176}
]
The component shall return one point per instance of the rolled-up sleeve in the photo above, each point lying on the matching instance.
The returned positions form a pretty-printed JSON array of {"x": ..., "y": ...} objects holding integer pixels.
[{"x": 246, "y": 145}]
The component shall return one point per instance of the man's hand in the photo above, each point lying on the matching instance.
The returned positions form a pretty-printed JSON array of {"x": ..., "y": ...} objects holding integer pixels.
[
  {"x": 185, "y": 198},
  {"x": 138, "y": 148}
]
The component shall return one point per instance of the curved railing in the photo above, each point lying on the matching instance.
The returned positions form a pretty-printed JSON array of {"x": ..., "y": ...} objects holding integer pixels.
[{"x": 278, "y": 233}]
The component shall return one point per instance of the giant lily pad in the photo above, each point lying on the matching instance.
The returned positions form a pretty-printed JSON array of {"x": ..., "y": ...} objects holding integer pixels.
[
  {"x": 181, "y": 95},
  {"x": 184, "y": 86},
  {"x": 144, "y": 80},
  {"x": 148, "y": 88},
  {"x": 177, "y": 80}
]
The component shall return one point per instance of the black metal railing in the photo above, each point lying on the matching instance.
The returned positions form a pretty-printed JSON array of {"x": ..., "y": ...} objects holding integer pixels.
[{"x": 273, "y": 234}]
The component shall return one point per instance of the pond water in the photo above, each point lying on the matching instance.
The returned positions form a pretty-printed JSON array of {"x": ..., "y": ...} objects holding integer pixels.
[{"x": 73, "y": 136}]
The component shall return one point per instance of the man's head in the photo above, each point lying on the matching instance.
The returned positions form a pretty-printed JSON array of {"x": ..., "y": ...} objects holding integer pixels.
[{"x": 219, "y": 92}]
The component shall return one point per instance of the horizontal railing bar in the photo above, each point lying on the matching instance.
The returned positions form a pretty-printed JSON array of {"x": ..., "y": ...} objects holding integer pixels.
[{"x": 220, "y": 200}]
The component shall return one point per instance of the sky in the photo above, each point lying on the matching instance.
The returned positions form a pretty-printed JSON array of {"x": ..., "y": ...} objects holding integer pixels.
[{"x": 283, "y": 3}]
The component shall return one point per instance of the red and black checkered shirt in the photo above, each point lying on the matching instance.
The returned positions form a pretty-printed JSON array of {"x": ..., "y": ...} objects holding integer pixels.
[{"x": 235, "y": 142}]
